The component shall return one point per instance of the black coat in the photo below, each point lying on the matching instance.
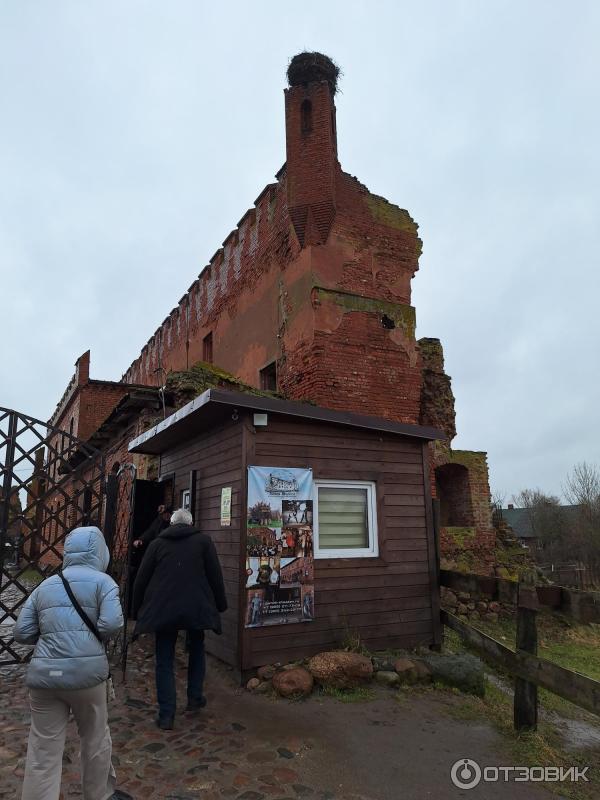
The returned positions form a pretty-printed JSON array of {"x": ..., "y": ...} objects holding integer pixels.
[
  {"x": 179, "y": 585},
  {"x": 152, "y": 531}
]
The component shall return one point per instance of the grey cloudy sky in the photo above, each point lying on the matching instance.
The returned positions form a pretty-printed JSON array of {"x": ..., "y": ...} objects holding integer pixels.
[{"x": 135, "y": 134}]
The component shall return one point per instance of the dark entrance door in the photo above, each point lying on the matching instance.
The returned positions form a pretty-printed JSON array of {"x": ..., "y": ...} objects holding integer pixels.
[{"x": 149, "y": 495}]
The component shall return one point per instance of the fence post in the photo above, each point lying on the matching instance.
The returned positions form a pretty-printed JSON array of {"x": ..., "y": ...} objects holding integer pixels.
[{"x": 526, "y": 693}]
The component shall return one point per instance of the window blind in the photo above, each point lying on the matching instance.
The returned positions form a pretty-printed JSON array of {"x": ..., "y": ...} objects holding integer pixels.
[{"x": 343, "y": 521}]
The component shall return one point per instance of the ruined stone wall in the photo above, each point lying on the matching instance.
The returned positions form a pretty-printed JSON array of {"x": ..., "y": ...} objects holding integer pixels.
[{"x": 236, "y": 298}]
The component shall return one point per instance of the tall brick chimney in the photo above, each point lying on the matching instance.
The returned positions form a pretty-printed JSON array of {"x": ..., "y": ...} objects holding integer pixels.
[{"x": 311, "y": 146}]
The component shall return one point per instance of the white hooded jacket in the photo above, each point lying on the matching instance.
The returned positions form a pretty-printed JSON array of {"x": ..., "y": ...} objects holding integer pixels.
[{"x": 67, "y": 655}]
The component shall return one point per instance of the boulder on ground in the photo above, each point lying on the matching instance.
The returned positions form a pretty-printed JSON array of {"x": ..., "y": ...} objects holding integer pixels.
[
  {"x": 423, "y": 672},
  {"x": 252, "y": 684},
  {"x": 495, "y": 607},
  {"x": 490, "y": 617},
  {"x": 263, "y": 687},
  {"x": 340, "y": 669},
  {"x": 386, "y": 678},
  {"x": 266, "y": 673},
  {"x": 461, "y": 609},
  {"x": 481, "y": 606},
  {"x": 465, "y": 672},
  {"x": 449, "y": 598},
  {"x": 296, "y": 682},
  {"x": 382, "y": 664},
  {"x": 406, "y": 670},
  {"x": 464, "y": 597}
]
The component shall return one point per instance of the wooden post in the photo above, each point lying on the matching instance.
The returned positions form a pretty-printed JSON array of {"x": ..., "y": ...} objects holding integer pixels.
[{"x": 526, "y": 693}]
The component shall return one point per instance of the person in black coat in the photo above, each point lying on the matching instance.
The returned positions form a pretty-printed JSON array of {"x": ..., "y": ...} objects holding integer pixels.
[
  {"x": 158, "y": 524},
  {"x": 179, "y": 587}
]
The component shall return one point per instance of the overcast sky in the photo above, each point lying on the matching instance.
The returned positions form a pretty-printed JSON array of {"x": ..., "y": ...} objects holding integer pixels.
[{"x": 134, "y": 135}]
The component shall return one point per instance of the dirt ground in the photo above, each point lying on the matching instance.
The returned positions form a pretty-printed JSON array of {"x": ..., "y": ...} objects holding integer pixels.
[{"x": 248, "y": 747}]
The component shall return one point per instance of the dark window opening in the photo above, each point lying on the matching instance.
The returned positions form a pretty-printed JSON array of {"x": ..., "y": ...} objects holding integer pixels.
[
  {"x": 306, "y": 116},
  {"x": 388, "y": 323},
  {"x": 268, "y": 378},
  {"x": 453, "y": 491},
  {"x": 207, "y": 349}
]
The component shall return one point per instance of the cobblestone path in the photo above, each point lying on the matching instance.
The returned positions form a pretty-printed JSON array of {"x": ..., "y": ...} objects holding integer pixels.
[{"x": 248, "y": 747}]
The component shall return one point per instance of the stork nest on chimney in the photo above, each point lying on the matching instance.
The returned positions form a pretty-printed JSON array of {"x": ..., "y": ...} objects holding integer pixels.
[{"x": 309, "y": 67}]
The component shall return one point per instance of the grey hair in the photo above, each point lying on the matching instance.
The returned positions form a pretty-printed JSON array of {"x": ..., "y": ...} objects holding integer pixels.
[{"x": 181, "y": 517}]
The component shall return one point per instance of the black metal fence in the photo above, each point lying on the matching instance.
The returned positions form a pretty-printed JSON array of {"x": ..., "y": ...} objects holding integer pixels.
[{"x": 50, "y": 483}]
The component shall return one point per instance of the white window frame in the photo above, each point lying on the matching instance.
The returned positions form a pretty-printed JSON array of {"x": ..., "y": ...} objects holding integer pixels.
[{"x": 372, "y": 551}]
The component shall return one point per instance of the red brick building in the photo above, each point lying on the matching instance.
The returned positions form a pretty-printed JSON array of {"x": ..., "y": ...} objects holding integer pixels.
[{"x": 310, "y": 295}]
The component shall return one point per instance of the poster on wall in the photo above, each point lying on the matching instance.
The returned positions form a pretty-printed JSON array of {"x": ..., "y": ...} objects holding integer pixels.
[{"x": 279, "y": 547}]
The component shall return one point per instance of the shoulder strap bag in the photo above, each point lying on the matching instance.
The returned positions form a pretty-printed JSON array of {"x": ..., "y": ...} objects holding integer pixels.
[{"x": 110, "y": 689}]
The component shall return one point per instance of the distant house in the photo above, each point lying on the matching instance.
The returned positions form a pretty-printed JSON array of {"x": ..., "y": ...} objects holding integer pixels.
[{"x": 531, "y": 526}]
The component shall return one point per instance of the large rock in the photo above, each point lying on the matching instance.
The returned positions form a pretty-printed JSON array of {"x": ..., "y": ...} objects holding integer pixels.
[
  {"x": 266, "y": 673},
  {"x": 465, "y": 672},
  {"x": 387, "y": 678},
  {"x": 423, "y": 672},
  {"x": 340, "y": 669},
  {"x": 382, "y": 664},
  {"x": 293, "y": 682},
  {"x": 406, "y": 670}
]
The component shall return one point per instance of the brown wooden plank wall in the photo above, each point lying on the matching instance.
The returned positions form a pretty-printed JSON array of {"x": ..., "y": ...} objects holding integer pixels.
[
  {"x": 387, "y": 601},
  {"x": 216, "y": 456}
]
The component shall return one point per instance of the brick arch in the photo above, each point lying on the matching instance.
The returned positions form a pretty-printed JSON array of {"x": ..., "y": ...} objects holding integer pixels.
[{"x": 454, "y": 493}]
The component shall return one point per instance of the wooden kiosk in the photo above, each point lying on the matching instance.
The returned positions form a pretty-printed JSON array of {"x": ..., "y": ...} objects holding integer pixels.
[{"x": 322, "y": 521}]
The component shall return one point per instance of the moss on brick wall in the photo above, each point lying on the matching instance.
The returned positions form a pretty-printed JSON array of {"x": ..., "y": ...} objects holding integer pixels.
[
  {"x": 185, "y": 385},
  {"x": 403, "y": 315}
]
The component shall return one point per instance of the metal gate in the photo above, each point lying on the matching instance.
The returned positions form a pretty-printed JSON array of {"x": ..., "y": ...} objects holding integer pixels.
[{"x": 50, "y": 483}]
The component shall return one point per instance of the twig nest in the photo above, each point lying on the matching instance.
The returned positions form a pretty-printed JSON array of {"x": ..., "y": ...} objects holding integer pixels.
[{"x": 309, "y": 67}]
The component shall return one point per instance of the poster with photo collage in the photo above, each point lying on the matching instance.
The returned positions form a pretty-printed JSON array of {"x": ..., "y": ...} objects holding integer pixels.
[{"x": 279, "y": 547}]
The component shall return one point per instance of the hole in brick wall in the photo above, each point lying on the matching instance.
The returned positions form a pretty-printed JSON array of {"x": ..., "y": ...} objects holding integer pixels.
[
  {"x": 388, "y": 322},
  {"x": 207, "y": 348},
  {"x": 268, "y": 378},
  {"x": 454, "y": 494}
]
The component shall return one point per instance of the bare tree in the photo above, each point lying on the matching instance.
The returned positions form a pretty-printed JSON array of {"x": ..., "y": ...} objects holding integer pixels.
[
  {"x": 582, "y": 487},
  {"x": 546, "y": 520},
  {"x": 498, "y": 499}
]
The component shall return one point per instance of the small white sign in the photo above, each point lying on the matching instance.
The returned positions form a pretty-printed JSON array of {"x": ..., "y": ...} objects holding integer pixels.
[{"x": 226, "y": 506}]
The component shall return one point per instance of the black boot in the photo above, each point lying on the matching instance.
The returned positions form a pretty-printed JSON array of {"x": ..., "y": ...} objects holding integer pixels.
[
  {"x": 195, "y": 705},
  {"x": 165, "y": 723}
]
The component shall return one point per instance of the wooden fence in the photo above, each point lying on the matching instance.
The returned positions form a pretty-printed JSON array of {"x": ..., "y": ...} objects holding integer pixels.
[{"x": 529, "y": 670}]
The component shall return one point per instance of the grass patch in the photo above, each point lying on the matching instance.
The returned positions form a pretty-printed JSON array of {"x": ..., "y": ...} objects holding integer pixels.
[
  {"x": 573, "y": 646},
  {"x": 541, "y": 748},
  {"x": 569, "y": 644},
  {"x": 360, "y": 694},
  {"x": 31, "y": 576}
]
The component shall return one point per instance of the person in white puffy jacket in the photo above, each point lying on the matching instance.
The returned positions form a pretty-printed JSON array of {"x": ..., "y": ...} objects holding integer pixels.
[{"x": 69, "y": 669}]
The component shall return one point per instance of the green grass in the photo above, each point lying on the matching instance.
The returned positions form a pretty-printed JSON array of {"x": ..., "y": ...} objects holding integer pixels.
[
  {"x": 360, "y": 694},
  {"x": 561, "y": 640},
  {"x": 31, "y": 576},
  {"x": 573, "y": 646},
  {"x": 273, "y": 523}
]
